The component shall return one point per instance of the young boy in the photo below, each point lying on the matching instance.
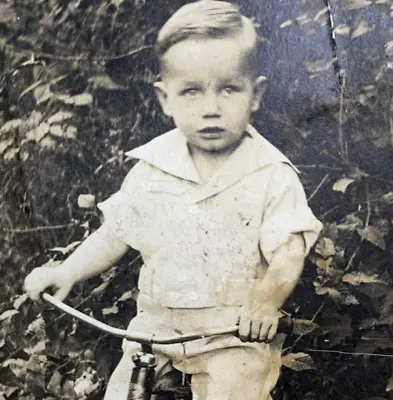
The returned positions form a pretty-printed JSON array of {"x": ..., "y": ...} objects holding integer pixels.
[{"x": 217, "y": 212}]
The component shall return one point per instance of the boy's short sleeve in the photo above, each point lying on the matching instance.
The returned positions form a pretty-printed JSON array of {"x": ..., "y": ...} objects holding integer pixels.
[
  {"x": 287, "y": 212},
  {"x": 119, "y": 209}
]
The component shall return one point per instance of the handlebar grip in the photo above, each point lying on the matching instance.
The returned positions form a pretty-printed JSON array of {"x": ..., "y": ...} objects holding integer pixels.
[{"x": 285, "y": 325}]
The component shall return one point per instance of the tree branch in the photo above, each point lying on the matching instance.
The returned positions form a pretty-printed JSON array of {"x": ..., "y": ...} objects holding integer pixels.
[
  {"x": 325, "y": 178},
  {"x": 86, "y": 57},
  {"x": 41, "y": 228}
]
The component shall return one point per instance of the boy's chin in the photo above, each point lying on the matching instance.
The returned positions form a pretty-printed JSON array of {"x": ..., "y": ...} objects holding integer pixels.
[{"x": 216, "y": 147}]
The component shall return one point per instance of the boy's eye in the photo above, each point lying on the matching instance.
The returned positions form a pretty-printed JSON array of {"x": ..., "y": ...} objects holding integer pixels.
[
  {"x": 190, "y": 92},
  {"x": 230, "y": 89}
]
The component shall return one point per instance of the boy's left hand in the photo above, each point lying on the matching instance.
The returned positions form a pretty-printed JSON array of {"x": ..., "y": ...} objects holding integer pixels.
[{"x": 258, "y": 324}]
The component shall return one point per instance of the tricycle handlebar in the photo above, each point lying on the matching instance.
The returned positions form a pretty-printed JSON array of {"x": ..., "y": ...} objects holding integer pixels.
[{"x": 285, "y": 326}]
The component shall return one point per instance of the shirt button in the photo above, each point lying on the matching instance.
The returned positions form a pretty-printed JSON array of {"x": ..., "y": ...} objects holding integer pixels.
[{"x": 193, "y": 209}]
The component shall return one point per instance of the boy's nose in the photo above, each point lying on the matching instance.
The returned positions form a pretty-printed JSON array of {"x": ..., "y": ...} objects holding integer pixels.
[{"x": 211, "y": 106}]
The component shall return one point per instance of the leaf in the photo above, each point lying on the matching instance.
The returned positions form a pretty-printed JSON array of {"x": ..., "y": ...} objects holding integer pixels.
[
  {"x": 84, "y": 385},
  {"x": 387, "y": 320},
  {"x": 71, "y": 132},
  {"x": 37, "y": 328},
  {"x": 30, "y": 88},
  {"x": 373, "y": 235},
  {"x": 389, "y": 48},
  {"x": 321, "y": 13},
  {"x": 388, "y": 198},
  {"x": 10, "y": 126},
  {"x": 39, "y": 347},
  {"x": 5, "y": 144},
  {"x": 349, "y": 299},
  {"x": 9, "y": 390},
  {"x": 333, "y": 293},
  {"x": 318, "y": 65},
  {"x": 356, "y": 173},
  {"x": 354, "y": 4},
  {"x": 325, "y": 247},
  {"x": 54, "y": 384},
  {"x": 67, "y": 390},
  {"x": 342, "y": 184},
  {"x": 110, "y": 310},
  {"x": 34, "y": 120},
  {"x": 36, "y": 363},
  {"x": 8, "y": 314},
  {"x": 86, "y": 201},
  {"x": 8, "y": 15},
  {"x": 304, "y": 326},
  {"x": 56, "y": 130},
  {"x": 42, "y": 93},
  {"x": 117, "y": 3},
  {"x": 286, "y": 23},
  {"x": 362, "y": 27},
  {"x": 20, "y": 300},
  {"x": 48, "y": 143},
  {"x": 83, "y": 99},
  {"x": 64, "y": 98},
  {"x": 357, "y": 278},
  {"x": 303, "y": 19},
  {"x": 351, "y": 223},
  {"x": 38, "y": 133},
  {"x": 100, "y": 289},
  {"x": 298, "y": 361},
  {"x": 60, "y": 117},
  {"x": 10, "y": 154},
  {"x": 325, "y": 266},
  {"x": 343, "y": 30},
  {"x": 130, "y": 294},
  {"x": 105, "y": 82},
  {"x": 368, "y": 323},
  {"x": 68, "y": 249},
  {"x": 387, "y": 308},
  {"x": 389, "y": 385},
  {"x": 17, "y": 366}
]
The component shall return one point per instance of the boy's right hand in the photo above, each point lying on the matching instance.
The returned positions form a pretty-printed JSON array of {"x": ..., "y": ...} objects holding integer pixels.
[{"x": 43, "y": 278}]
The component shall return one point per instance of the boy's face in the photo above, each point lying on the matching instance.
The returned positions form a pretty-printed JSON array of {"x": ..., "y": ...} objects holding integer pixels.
[{"x": 208, "y": 92}]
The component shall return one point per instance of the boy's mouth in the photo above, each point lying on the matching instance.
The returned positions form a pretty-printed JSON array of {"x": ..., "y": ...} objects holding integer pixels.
[{"x": 211, "y": 131}]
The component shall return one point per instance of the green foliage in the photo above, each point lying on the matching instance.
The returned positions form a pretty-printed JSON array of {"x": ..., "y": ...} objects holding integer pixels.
[{"x": 75, "y": 88}]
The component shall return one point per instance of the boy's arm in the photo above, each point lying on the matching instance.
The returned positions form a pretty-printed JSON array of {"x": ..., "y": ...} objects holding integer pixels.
[
  {"x": 259, "y": 316},
  {"x": 95, "y": 255}
]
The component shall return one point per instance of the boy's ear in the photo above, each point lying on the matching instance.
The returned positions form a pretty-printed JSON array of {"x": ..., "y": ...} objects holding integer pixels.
[
  {"x": 162, "y": 96},
  {"x": 260, "y": 85}
]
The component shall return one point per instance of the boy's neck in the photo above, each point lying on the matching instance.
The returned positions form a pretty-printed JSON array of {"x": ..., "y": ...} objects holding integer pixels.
[{"x": 208, "y": 163}]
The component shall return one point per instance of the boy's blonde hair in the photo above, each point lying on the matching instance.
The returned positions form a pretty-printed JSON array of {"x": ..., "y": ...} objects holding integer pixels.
[{"x": 210, "y": 19}]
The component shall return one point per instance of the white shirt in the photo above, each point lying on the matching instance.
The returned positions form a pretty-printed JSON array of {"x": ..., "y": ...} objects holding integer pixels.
[{"x": 203, "y": 245}]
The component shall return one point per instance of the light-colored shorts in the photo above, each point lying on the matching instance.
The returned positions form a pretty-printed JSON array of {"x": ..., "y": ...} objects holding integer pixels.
[{"x": 222, "y": 367}]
